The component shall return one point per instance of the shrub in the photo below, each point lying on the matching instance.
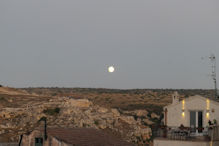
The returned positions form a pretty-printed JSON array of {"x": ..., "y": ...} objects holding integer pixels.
[
  {"x": 54, "y": 94},
  {"x": 3, "y": 99},
  {"x": 96, "y": 122},
  {"x": 52, "y": 111}
]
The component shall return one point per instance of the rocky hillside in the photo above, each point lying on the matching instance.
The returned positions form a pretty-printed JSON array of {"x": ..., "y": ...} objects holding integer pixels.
[
  {"x": 151, "y": 100},
  {"x": 128, "y": 114},
  {"x": 21, "y": 112}
]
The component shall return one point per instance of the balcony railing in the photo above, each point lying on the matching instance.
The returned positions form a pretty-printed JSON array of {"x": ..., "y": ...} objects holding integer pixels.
[{"x": 187, "y": 133}]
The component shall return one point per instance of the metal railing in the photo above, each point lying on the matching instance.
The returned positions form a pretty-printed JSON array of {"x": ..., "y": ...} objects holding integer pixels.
[
  {"x": 185, "y": 133},
  {"x": 214, "y": 133}
]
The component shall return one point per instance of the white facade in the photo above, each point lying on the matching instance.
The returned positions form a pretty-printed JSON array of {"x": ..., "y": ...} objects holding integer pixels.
[
  {"x": 179, "y": 112},
  {"x": 194, "y": 112}
]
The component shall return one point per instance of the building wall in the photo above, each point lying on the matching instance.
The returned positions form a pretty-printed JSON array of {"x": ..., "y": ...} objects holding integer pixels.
[
  {"x": 176, "y": 117},
  {"x": 55, "y": 142},
  {"x": 215, "y": 114},
  {"x": 29, "y": 140}
]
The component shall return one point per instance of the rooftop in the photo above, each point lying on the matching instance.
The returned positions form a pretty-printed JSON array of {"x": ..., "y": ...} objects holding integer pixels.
[{"x": 85, "y": 136}]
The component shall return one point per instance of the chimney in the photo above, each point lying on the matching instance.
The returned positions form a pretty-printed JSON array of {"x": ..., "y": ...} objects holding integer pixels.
[{"x": 175, "y": 98}]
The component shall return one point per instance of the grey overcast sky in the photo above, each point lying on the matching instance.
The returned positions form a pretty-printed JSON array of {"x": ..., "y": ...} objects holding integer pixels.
[{"x": 70, "y": 43}]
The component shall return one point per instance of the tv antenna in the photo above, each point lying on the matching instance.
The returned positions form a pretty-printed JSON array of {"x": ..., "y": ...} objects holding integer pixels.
[{"x": 213, "y": 73}]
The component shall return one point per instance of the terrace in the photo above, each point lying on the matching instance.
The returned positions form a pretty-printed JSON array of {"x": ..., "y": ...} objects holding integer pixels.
[{"x": 186, "y": 136}]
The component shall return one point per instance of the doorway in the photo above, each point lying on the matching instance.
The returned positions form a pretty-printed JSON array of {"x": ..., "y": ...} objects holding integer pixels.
[{"x": 196, "y": 121}]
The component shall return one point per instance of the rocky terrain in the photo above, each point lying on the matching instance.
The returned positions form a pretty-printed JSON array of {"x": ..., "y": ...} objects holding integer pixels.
[
  {"x": 151, "y": 100},
  {"x": 20, "y": 113},
  {"x": 128, "y": 114}
]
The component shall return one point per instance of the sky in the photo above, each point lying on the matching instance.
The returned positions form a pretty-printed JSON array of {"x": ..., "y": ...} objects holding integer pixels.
[{"x": 71, "y": 43}]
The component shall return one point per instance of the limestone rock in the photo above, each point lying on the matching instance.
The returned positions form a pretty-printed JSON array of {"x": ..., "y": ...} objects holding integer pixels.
[
  {"x": 102, "y": 110},
  {"x": 153, "y": 115},
  {"x": 148, "y": 122},
  {"x": 115, "y": 112},
  {"x": 81, "y": 103},
  {"x": 128, "y": 119},
  {"x": 79, "y": 113},
  {"x": 141, "y": 113}
]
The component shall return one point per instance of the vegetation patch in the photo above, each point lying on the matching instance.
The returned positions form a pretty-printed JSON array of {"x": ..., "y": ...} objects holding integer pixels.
[
  {"x": 96, "y": 122},
  {"x": 52, "y": 111},
  {"x": 2, "y": 98}
]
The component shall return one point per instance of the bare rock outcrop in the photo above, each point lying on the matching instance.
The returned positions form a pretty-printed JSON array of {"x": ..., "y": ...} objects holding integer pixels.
[{"x": 68, "y": 112}]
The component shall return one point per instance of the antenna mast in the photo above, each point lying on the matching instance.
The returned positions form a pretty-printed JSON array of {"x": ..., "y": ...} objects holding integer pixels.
[{"x": 213, "y": 74}]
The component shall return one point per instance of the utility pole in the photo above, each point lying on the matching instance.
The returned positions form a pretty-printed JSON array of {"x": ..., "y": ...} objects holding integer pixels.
[{"x": 213, "y": 74}]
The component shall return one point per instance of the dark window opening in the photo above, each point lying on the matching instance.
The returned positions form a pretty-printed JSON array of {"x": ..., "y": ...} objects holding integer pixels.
[
  {"x": 200, "y": 121},
  {"x": 38, "y": 141},
  {"x": 193, "y": 121}
]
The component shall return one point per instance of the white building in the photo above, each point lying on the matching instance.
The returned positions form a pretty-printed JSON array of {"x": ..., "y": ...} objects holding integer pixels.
[
  {"x": 187, "y": 122},
  {"x": 195, "y": 111}
]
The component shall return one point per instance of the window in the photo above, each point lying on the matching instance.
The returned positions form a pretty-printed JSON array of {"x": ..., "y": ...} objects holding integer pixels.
[{"x": 38, "y": 141}]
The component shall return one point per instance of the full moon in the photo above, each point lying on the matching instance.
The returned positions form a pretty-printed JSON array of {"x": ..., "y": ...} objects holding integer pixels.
[{"x": 111, "y": 69}]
